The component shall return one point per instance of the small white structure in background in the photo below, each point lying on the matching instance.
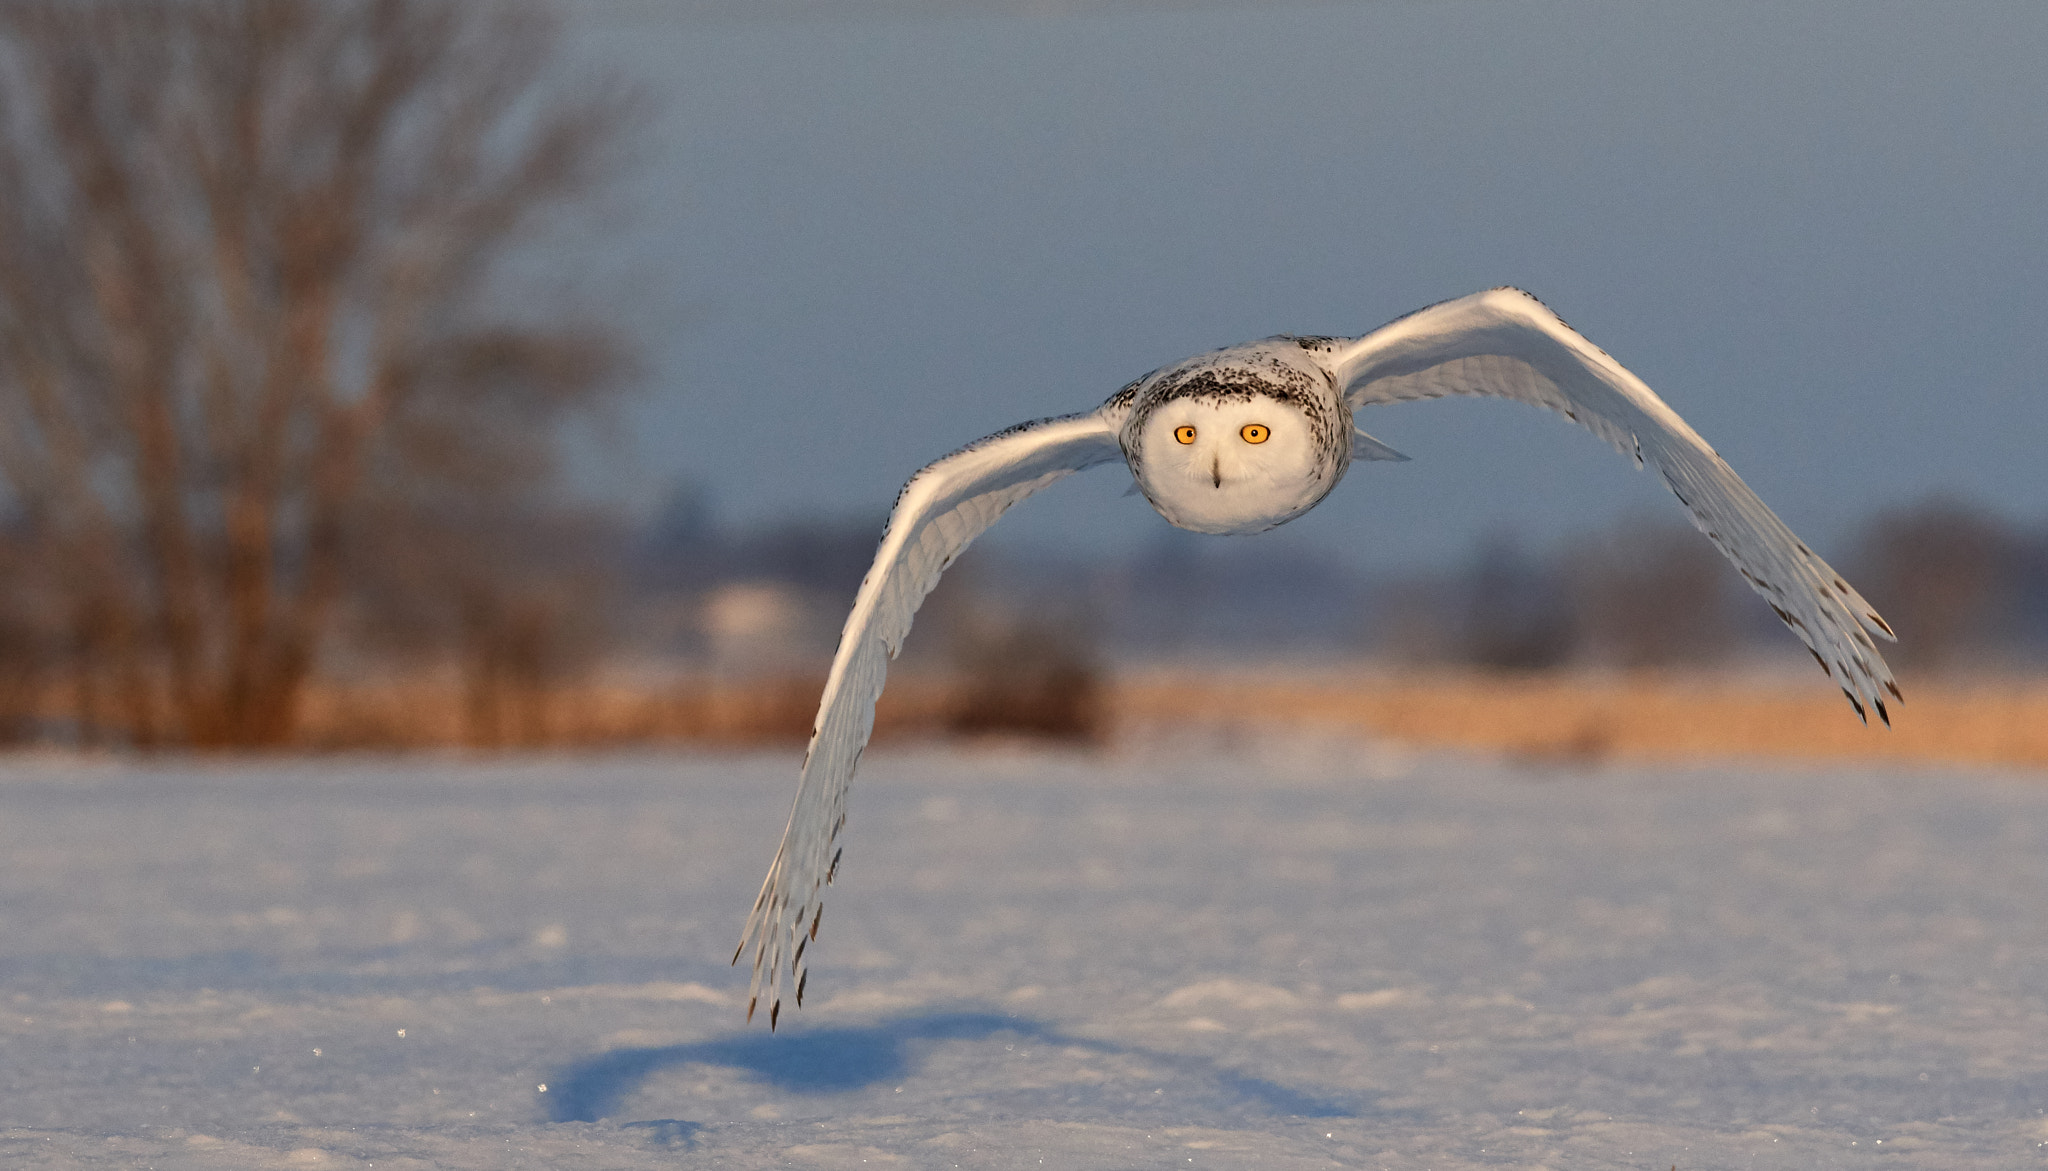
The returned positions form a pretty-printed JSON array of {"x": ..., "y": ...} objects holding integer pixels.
[{"x": 762, "y": 628}]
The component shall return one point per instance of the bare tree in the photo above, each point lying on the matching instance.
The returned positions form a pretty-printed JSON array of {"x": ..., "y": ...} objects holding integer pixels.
[
  {"x": 246, "y": 261},
  {"x": 1650, "y": 593},
  {"x": 1516, "y": 614},
  {"x": 1943, "y": 572}
]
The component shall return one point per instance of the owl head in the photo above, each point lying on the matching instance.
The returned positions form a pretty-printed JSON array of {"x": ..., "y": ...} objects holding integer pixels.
[{"x": 1240, "y": 458}]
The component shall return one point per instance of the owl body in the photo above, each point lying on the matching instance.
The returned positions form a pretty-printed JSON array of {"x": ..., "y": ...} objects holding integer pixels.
[{"x": 1238, "y": 440}]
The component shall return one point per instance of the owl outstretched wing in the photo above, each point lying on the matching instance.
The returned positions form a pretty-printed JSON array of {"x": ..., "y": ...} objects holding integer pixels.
[
  {"x": 1504, "y": 343},
  {"x": 941, "y": 509}
]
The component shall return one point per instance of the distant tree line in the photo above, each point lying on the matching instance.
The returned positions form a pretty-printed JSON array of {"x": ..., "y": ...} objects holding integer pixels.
[{"x": 1966, "y": 591}]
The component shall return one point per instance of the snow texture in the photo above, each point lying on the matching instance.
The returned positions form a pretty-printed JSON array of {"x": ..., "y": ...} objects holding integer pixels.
[{"x": 1274, "y": 952}]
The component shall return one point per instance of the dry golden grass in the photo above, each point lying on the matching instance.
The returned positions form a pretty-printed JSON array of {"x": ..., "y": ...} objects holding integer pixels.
[
  {"x": 1638, "y": 717},
  {"x": 1567, "y": 717},
  {"x": 433, "y": 712}
]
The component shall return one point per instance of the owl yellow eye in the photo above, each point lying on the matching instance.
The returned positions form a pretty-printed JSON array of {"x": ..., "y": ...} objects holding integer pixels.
[
  {"x": 1184, "y": 434},
  {"x": 1255, "y": 432}
]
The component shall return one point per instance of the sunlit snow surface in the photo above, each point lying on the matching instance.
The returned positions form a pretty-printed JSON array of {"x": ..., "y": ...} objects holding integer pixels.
[{"x": 1269, "y": 953}]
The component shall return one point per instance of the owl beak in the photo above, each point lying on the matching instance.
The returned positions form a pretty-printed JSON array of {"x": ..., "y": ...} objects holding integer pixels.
[{"x": 1216, "y": 470}]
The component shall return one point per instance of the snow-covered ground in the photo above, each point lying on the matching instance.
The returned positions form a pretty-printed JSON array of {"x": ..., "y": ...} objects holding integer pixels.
[{"x": 1266, "y": 953}]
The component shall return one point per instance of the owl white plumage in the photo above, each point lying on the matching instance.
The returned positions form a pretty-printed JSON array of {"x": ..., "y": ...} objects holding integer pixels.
[{"x": 1241, "y": 440}]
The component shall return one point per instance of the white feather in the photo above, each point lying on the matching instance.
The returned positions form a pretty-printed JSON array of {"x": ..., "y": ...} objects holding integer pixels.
[
  {"x": 1504, "y": 343},
  {"x": 942, "y": 508}
]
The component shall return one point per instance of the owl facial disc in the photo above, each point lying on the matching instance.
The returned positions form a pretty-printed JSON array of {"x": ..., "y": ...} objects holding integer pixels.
[{"x": 1236, "y": 448}]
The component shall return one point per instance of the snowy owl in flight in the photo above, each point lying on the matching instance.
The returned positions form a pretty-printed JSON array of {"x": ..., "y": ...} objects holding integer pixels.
[{"x": 1241, "y": 440}]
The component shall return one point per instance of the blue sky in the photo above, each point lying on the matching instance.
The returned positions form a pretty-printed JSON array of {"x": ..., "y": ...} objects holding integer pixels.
[{"x": 858, "y": 236}]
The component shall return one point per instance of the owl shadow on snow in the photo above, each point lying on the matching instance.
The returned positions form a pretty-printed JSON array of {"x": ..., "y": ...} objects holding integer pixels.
[{"x": 841, "y": 1058}]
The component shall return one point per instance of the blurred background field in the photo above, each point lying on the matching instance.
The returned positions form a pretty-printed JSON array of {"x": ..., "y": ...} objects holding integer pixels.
[
  {"x": 1632, "y": 644},
  {"x": 401, "y": 373}
]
